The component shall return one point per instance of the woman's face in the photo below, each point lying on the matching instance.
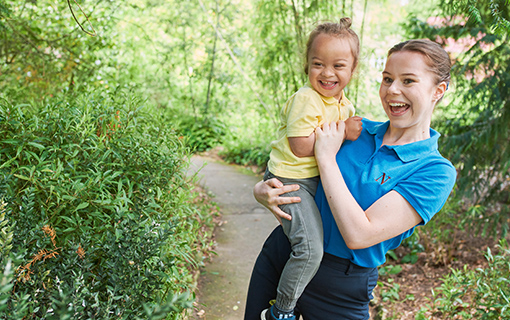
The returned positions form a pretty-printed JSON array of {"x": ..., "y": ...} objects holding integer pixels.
[
  {"x": 409, "y": 91},
  {"x": 330, "y": 64}
]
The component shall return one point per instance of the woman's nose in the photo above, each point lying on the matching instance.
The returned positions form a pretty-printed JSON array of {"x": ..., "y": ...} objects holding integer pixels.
[{"x": 394, "y": 87}]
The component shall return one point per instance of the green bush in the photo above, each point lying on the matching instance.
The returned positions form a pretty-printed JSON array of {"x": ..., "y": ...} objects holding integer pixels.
[
  {"x": 103, "y": 226},
  {"x": 483, "y": 293},
  {"x": 246, "y": 155},
  {"x": 201, "y": 133}
]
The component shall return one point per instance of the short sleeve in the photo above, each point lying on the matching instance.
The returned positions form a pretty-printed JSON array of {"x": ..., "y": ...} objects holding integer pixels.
[
  {"x": 304, "y": 114},
  {"x": 428, "y": 188}
]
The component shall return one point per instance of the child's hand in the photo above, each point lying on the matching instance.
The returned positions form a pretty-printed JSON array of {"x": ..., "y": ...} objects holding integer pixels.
[{"x": 353, "y": 128}]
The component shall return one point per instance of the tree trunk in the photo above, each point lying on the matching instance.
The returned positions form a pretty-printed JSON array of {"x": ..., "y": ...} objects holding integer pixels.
[{"x": 211, "y": 72}]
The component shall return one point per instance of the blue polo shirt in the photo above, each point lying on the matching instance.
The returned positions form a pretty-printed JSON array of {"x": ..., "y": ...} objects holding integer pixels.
[{"x": 416, "y": 170}]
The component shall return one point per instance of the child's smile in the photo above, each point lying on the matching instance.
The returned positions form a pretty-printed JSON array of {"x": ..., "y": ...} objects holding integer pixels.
[{"x": 330, "y": 65}]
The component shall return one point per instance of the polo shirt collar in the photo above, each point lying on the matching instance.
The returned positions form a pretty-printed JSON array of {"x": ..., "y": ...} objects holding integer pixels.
[
  {"x": 330, "y": 100},
  {"x": 408, "y": 152}
]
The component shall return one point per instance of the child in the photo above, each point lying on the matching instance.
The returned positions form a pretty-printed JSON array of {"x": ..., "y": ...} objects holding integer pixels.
[{"x": 331, "y": 56}]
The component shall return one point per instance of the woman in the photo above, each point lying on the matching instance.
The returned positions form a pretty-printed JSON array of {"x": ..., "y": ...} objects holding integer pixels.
[{"x": 374, "y": 191}]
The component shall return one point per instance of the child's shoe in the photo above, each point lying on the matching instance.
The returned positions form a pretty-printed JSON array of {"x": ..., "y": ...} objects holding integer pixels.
[{"x": 272, "y": 314}]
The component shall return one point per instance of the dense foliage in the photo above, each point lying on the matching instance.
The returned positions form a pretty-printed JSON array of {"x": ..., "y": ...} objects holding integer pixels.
[
  {"x": 96, "y": 197},
  {"x": 43, "y": 50},
  {"x": 475, "y": 123},
  {"x": 483, "y": 293}
]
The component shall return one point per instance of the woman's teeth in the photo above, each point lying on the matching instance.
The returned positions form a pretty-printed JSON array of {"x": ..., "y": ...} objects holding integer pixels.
[{"x": 398, "y": 108}]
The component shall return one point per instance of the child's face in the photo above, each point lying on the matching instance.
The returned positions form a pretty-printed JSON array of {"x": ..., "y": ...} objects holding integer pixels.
[
  {"x": 330, "y": 64},
  {"x": 409, "y": 91}
]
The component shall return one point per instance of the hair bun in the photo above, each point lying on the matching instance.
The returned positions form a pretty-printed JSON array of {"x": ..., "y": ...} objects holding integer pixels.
[{"x": 345, "y": 22}]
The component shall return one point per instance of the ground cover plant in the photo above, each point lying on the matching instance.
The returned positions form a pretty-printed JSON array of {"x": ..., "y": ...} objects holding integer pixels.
[{"x": 98, "y": 219}]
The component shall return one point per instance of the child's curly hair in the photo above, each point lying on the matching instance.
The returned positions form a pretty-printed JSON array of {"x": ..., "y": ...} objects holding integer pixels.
[{"x": 341, "y": 29}]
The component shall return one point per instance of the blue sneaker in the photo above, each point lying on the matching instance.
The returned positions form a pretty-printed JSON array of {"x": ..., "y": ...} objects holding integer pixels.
[{"x": 269, "y": 314}]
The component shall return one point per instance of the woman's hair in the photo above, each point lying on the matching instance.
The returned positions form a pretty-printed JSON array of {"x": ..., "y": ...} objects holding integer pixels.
[
  {"x": 438, "y": 60},
  {"x": 342, "y": 29}
]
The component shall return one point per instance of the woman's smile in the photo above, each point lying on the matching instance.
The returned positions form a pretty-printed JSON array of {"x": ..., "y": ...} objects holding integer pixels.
[{"x": 398, "y": 108}]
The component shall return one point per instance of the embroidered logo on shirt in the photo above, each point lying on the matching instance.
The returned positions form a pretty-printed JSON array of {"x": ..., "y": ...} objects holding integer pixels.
[{"x": 383, "y": 178}]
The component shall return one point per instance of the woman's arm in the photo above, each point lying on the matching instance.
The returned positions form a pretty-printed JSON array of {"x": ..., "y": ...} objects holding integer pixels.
[
  {"x": 268, "y": 194},
  {"x": 388, "y": 217}
]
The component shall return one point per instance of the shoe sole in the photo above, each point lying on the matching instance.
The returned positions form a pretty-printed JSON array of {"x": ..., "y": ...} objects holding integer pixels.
[{"x": 263, "y": 314}]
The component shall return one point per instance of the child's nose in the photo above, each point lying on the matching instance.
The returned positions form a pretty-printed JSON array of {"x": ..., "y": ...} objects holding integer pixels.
[{"x": 327, "y": 72}]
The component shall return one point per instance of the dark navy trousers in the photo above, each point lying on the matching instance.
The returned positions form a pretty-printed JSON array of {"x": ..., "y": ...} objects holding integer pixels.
[{"x": 340, "y": 290}]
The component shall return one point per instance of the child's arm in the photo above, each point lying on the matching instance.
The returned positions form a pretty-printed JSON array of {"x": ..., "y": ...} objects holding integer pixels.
[
  {"x": 302, "y": 146},
  {"x": 353, "y": 128}
]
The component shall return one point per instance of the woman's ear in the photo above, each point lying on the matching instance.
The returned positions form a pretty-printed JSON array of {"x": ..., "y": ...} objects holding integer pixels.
[{"x": 440, "y": 90}]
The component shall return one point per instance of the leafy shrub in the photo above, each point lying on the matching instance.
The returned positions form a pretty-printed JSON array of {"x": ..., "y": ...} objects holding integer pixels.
[
  {"x": 201, "y": 133},
  {"x": 483, "y": 293},
  {"x": 103, "y": 227},
  {"x": 247, "y": 155}
]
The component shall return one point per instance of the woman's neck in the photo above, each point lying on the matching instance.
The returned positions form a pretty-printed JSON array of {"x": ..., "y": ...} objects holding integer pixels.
[{"x": 400, "y": 136}]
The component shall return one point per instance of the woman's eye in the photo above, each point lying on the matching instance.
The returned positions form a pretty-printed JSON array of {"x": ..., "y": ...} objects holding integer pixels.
[
  {"x": 408, "y": 81},
  {"x": 387, "y": 80}
]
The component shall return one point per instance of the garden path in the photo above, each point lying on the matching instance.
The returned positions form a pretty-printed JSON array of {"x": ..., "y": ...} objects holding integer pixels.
[{"x": 245, "y": 224}]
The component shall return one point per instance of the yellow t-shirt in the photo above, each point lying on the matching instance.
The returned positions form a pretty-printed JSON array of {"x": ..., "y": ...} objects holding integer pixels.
[{"x": 303, "y": 112}]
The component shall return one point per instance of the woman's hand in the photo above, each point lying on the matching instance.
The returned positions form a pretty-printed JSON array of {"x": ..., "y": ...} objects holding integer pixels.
[
  {"x": 268, "y": 194},
  {"x": 329, "y": 139}
]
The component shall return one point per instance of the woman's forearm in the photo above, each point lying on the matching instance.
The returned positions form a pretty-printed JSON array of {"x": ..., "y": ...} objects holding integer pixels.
[
  {"x": 350, "y": 218},
  {"x": 386, "y": 218}
]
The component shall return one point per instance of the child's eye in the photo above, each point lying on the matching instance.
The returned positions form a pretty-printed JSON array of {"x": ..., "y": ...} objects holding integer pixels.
[
  {"x": 408, "y": 81},
  {"x": 339, "y": 66},
  {"x": 317, "y": 64}
]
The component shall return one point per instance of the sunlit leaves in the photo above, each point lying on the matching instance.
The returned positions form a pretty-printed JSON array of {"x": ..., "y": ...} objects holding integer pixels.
[{"x": 475, "y": 123}]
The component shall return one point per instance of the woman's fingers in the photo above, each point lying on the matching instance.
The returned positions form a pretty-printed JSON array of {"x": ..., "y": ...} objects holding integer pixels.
[
  {"x": 287, "y": 188},
  {"x": 280, "y": 214},
  {"x": 274, "y": 183},
  {"x": 328, "y": 140},
  {"x": 268, "y": 193}
]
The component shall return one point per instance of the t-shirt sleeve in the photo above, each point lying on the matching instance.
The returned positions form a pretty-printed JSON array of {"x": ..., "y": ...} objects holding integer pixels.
[
  {"x": 303, "y": 115},
  {"x": 428, "y": 188}
]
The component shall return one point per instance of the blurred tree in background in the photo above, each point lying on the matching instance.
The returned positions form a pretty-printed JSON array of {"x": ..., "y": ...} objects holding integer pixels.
[
  {"x": 43, "y": 50},
  {"x": 475, "y": 122}
]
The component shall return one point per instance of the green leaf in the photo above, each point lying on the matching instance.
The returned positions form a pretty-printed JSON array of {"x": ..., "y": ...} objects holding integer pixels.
[
  {"x": 68, "y": 219},
  {"x": 37, "y": 145},
  {"x": 22, "y": 177},
  {"x": 82, "y": 205}
]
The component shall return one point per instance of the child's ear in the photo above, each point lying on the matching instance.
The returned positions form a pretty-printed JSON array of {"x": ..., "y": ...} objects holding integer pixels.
[{"x": 440, "y": 90}]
